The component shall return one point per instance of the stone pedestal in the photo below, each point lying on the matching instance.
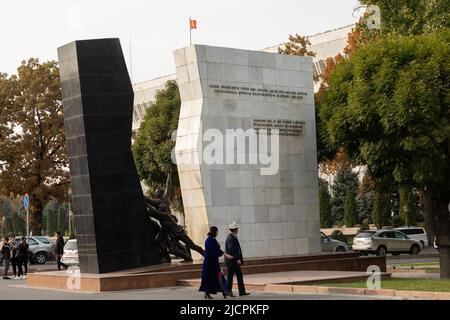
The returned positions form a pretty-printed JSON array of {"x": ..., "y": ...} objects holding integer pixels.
[{"x": 223, "y": 89}]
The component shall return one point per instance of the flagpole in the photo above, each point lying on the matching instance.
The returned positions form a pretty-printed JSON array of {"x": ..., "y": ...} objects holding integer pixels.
[{"x": 190, "y": 32}]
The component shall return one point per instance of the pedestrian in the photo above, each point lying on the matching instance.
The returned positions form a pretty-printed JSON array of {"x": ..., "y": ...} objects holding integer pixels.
[
  {"x": 6, "y": 252},
  {"x": 233, "y": 249},
  {"x": 213, "y": 280},
  {"x": 59, "y": 250},
  {"x": 22, "y": 258},
  {"x": 14, "y": 254}
]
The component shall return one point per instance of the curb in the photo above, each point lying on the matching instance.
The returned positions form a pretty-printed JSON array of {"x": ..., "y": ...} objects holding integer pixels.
[
  {"x": 359, "y": 291},
  {"x": 288, "y": 288}
]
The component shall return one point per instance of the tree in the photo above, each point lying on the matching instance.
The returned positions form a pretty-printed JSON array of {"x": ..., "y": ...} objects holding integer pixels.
[
  {"x": 33, "y": 155},
  {"x": 412, "y": 17},
  {"x": 63, "y": 219},
  {"x": 50, "y": 212},
  {"x": 408, "y": 207},
  {"x": 324, "y": 205},
  {"x": 388, "y": 106},
  {"x": 365, "y": 199},
  {"x": 381, "y": 205},
  {"x": 18, "y": 224},
  {"x": 345, "y": 180},
  {"x": 351, "y": 216},
  {"x": 297, "y": 46},
  {"x": 365, "y": 206},
  {"x": 153, "y": 146}
]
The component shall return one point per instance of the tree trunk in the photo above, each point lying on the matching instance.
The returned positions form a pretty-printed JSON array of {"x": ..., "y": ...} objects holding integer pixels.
[
  {"x": 36, "y": 218},
  {"x": 444, "y": 257},
  {"x": 430, "y": 222},
  {"x": 380, "y": 210},
  {"x": 443, "y": 235}
]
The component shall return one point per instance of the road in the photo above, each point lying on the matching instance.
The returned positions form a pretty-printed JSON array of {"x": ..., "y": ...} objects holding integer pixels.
[{"x": 17, "y": 289}]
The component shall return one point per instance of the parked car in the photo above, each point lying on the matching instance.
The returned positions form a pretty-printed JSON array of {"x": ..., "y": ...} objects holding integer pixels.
[
  {"x": 70, "y": 255},
  {"x": 382, "y": 242},
  {"x": 40, "y": 249},
  {"x": 415, "y": 233},
  {"x": 331, "y": 245}
]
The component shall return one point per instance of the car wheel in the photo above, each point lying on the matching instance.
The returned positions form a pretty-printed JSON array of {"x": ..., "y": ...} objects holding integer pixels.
[
  {"x": 381, "y": 251},
  {"x": 340, "y": 249},
  {"x": 40, "y": 258},
  {"x": 415, "y": 250}
]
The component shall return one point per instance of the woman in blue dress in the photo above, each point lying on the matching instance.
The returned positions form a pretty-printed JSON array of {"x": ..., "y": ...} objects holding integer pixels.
[{"x": 212, "y": 277}]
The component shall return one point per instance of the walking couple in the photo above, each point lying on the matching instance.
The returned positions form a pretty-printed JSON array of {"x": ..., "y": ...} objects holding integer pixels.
[{"x": 213, "y": 280}]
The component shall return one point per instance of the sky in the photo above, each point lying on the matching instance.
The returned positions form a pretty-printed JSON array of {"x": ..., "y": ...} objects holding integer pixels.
[{"x": 35, "y": 28}]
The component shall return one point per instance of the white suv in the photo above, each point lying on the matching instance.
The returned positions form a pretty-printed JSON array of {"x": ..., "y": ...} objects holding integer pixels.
[{"x": 415, "y": 233}]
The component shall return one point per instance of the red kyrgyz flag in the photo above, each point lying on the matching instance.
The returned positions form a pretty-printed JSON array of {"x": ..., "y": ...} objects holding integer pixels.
[{"x": 193, "y": 24}]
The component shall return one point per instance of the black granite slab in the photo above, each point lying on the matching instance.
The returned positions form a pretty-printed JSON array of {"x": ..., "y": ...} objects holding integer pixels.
[{"x": 113, "y": 230}]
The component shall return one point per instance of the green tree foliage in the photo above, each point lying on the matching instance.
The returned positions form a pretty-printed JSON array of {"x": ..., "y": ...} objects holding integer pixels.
[
  {"x": 153, "y": 146},
  {"x": 385, "y": 210},
  {"x": 351, "y": 216},
  {"x": 365, "y": 199},
  {"x": 408, "y": 207},
  {"x": 324, "y": 205},
  {"x": 388, "y": 106},
  {"x": 51, "y": 213},
  {"x": 339, "y": 235},
  {"x": 33, "y": 155},
  {"x": 412, "y": 17},
  {"x": 345, "y": 180},
  {"x": 63, "y": 219},
  {"x": 365, "y": 205},
  {"x": 364, "y": 225},
  {"x": 18, "y": 224},
  {"x": 13, "y": 223}
]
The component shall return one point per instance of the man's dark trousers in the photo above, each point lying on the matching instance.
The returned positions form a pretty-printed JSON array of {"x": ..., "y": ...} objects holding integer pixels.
[{"x": 233, "y": 268}]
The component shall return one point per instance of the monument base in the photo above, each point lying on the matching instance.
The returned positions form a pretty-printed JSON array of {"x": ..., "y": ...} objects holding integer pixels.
[{"x": 169, "y": 275}]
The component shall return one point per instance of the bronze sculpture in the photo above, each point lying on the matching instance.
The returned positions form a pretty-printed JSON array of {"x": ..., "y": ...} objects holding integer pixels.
[{"x": 170, "y": 233}]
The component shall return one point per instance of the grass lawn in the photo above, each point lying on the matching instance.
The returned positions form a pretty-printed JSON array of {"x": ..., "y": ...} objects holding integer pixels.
[{"x": 399, "y": 284}]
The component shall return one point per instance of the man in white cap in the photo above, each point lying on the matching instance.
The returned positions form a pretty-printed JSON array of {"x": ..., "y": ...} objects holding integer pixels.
[{"x": 233, "y": 248}]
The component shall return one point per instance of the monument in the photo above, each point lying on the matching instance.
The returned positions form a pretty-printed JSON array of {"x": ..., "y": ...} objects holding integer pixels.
[
  {"x": 230, "y": 99},
  {"x": 246, "y": 152},
  {"x": 113, "y": 229}
]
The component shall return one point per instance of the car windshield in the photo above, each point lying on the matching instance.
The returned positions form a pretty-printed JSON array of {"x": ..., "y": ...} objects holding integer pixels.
[
  {"x": 366, "y": 234},
  {"x": 43, "y": 240},
  {"x": 71, "y": 245}
]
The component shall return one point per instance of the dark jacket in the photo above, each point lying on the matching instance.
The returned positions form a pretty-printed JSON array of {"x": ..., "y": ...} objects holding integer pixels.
[
  {"x": 6, "y": 252},
  {"x": 22, "y": 250},
  {"x": 233, "y": 248},
  {"x": 60, "y": 246}
]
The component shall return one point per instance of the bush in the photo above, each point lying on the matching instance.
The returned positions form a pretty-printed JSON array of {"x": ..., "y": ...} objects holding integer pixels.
[
  {"x": 364, "y": 225},
  {"x": 397, "y": 221},
  {"x": 338, "y": 235}
]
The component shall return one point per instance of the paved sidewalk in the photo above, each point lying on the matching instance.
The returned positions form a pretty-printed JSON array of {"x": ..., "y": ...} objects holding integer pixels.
[
  {"x": 294, "y": 277},
  {"x": 17, "y": 290}
]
